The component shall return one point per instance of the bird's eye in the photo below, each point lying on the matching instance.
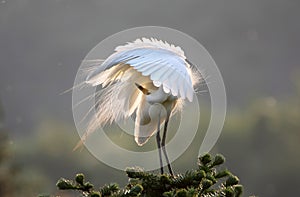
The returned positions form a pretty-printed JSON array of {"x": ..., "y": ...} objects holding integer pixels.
[{"x": 141, "y": 88}]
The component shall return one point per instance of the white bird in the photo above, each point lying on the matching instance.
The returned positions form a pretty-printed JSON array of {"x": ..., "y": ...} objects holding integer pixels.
[{"x": 147, "y": 79}]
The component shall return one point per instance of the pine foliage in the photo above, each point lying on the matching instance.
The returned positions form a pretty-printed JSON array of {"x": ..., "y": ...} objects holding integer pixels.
[{"x": 209, "y": 180}]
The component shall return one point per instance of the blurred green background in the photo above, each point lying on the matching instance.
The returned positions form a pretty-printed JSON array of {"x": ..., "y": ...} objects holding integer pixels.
[{"x": 255, "y": 44}]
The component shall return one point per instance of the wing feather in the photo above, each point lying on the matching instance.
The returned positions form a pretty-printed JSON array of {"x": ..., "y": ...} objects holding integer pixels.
[
  {"x": 149, "y": 62},
  {"x": 173, "y": 80},
  {"x": 163, "y": 66},
  {"x": 169, "y": 72},
  {"x": 156, "y": 75},
  {"x": 154, "y": 68}
]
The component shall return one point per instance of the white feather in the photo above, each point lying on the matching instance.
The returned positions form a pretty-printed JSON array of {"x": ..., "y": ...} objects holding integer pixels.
[
  {"x": 151, "y": 43},
  {"x": 146, "y": 54},
  {"x": 157, "y": 66}
]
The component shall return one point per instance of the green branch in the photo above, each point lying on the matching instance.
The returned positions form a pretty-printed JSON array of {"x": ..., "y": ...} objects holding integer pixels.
[{"x": 206, "y": 181}]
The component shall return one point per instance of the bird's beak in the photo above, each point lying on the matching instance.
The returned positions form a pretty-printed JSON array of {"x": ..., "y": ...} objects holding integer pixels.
[{"x": 142, "y": 89}]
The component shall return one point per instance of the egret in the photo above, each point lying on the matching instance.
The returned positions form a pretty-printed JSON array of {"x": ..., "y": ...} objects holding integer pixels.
[{"x": 148, "y": 80}]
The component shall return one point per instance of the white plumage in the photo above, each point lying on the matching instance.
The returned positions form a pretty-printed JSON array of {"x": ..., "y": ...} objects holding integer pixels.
[
  {"x": 149, "y": 78},
  {"x": 165, "y": 64}
]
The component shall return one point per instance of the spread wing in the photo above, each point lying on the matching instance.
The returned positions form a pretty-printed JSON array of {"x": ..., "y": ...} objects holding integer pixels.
[
  {"x": 163, "y": 66},
  {"x": 150, "y": 63}
]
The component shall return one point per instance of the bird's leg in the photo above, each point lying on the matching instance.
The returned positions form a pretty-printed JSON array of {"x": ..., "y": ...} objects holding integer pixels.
[
  {"x": 164, "y": 142},
  {"x": 158, "y": 140}
]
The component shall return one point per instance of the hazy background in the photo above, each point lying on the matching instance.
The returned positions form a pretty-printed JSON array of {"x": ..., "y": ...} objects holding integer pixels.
[{"x": 255, "y": 43}]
